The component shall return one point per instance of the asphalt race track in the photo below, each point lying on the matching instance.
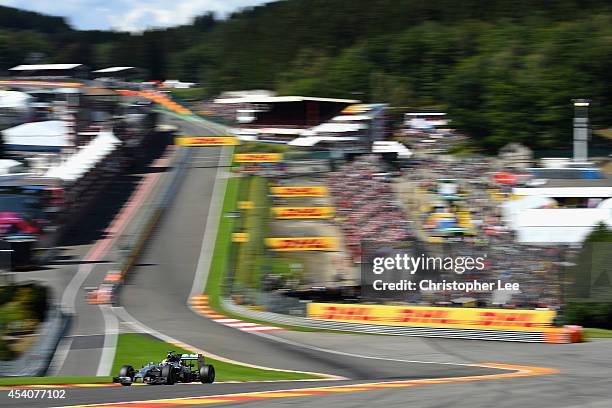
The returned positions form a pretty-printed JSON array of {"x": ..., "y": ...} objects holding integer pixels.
[{"x": 162, "y": 282}]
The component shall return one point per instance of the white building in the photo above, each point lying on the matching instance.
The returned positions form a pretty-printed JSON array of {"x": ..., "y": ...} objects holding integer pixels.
[{"x": 561, "y": 210}]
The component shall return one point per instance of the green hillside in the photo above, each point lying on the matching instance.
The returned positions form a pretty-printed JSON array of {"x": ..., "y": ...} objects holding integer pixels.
[{"x": 505, "y": 70}]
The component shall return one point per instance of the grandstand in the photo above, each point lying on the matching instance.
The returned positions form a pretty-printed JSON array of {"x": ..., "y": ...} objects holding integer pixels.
[
  {"x": 46, "y": 71},
  {"x": 264, "y": 110}
]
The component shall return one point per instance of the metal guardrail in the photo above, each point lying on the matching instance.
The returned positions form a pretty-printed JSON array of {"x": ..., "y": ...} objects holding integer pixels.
[
  {"x": 449, "y": 333},
  {"x": 35, "y": 361}
]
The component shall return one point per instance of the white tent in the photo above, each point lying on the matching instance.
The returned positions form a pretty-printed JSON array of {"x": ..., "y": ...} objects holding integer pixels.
[
  {"x": 14, "y": 100},
  {"x": 557, "y": 225},
  {"x": 345, "y": 118},
  {"x": 111, "y": 70},
  {"x": 37, "y": 136},
  {"x": 511, "y": 209},
  {"x": 572, "y": 192},
  {"x": 247, "y": 135},
  {"x": 44, "y": 67},
  {"x": 86, "y": 158},
  {"x": 305, "y": 141},
  {"x": 605, "y": 203},
  {"x": 389, "y": 146},
  {"x": 10, "y": 166},
  {"x": 309, "y": 141},
  {"x": 338, "y": 127}
]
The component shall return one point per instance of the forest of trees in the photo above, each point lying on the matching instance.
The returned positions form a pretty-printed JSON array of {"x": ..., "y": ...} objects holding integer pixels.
[{"x": 505, "y": 70}]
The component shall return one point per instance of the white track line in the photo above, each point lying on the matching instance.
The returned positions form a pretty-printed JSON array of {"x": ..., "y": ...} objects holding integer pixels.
[
  {"x": 60, "y": 355},
  {"x": 111, "y": 324},
  {"x": 71, "y": 291}
]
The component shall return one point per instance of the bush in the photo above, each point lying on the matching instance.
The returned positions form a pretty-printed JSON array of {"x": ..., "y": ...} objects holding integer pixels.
[
  {"x": 5, "y": 351},
  {"x": 589, "y": 314},
  {"x": 190, "y": 94},
  {"x": 261, "y": 147},
  {"x": 249, "y": 255},
  {"x": 22, "y": 308}
]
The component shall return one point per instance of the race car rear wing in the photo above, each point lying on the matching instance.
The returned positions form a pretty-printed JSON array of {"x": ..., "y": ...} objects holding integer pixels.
[{"x": 193, "y": 357}]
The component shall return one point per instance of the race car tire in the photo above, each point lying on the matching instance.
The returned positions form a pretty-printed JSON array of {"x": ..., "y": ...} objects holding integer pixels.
[
  {"x": 127, "y": 371},
  {"x": 207, "y": 374},
  {"x": 168, "y": 373}
]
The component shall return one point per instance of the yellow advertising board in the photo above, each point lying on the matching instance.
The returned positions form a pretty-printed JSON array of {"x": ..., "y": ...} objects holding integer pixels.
[
  {"x": 245, "y": 205},
  {"x": 205, "y": 141},
  {"x": 302, "y": 212},
  {"x": 240, "y": 237},
  {"x": 302, "y": 244},
  {"x": 357, "y": 108},
  {"x": 449, "y": 317},
  {"x": 258, "y": 157},
  {"x": 299, "y": 191}
]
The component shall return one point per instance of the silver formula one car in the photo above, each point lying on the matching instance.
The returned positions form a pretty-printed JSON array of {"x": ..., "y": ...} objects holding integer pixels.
[{"x": 175, "y": 368}]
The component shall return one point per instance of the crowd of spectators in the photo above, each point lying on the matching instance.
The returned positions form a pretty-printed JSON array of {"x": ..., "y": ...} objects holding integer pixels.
[
  {"x": 366, "y": 206},
  {"x": 226, "y": 112},
  {"x": 368, "y": 209},
  {"x": 537, "y": 269}
]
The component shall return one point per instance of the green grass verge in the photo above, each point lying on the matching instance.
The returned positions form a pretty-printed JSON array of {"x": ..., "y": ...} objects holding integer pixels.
[
  {"x": 190, "y": 94},
  {"x": 138, "y": 349},
  {"x": 262, "y": 147},
  {"x": 214, "y": 284},
  {"x": 218, "y": 267},
  {"x": 250, "y": 254},
  {"x": 53, "y": 380},
  {"x": 597, "y": 333}
]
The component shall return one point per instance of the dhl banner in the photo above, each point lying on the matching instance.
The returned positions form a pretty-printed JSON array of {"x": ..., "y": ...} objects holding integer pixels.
[
  {"x": 302, "y": 244},
  {"x": 299, "y": 191},
  {"x": 258, "y": 157},
  {"x": 358, "y": 108},
  {"x": 206, "y": 141},
  {"x": 448, "y": 317},
  {"x": 43, "y": 83},
  {"x": 240, "y": 237},
  {"x": 302, "y": 212},
  {"x": 245, "y": 205}
]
